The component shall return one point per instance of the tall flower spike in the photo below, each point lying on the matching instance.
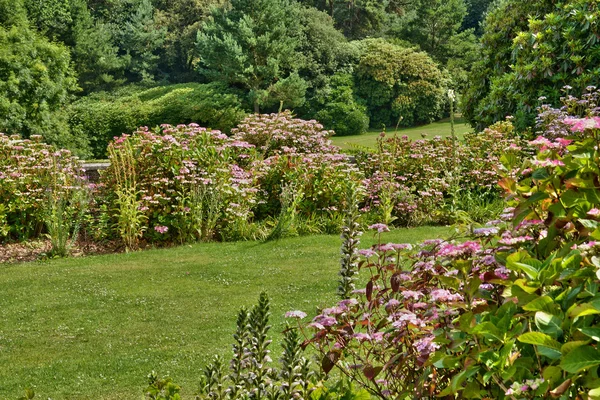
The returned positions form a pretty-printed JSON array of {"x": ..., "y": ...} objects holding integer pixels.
[{"x": 350, "y": 241}]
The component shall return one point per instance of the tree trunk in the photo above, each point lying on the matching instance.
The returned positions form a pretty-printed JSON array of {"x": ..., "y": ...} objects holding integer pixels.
[{"x": 256, "y": 107}]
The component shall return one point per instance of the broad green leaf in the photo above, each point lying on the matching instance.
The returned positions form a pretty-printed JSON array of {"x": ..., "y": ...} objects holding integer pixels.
[
  {"x": 581, "y": 358},
  {"x": 540, "y": 339},
  {"x": 521, "y": 261},
  {"x": 487, "y": 329},
  {"x": 582, "y": 310},
  {"x": 552, "y": 354},
  {"x": 594, "y": 394},
  {"x": 594, "y": 333},
  {"x": 548, "y": 324},
  {"x": 543, "y": 303}
]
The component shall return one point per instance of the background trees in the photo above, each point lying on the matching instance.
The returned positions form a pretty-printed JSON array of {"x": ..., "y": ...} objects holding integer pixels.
[
  {"x": 253, "y": 45},
  {"x": 531, "y": 50},
  {"x": 36, "y": 79}
]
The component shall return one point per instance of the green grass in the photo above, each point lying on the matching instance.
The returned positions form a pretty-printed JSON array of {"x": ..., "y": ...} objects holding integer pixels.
[
  {"x": 93, "y": 328},
  {"x": 440, "y": 128}
]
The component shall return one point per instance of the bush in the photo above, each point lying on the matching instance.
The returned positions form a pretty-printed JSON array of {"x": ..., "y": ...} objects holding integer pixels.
[
  {"x": 400, "y": 86},
  {"x": 510, "y": 313},
  {"x": 339, "y": 110},
  {"x": 281, "y": 133},
  {"x": 409, "y": 182},
  {"x": 42, "y": 190},
  {"x": 101, "y": 117},
  {"x": 178, "y": 184},
  {"x": 297, "y": 156}
]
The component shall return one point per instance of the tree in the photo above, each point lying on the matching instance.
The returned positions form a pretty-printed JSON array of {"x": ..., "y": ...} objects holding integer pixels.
[
  {"x": 182, "y": 20},
  {"x": 36, "y": 81},
  {"x": 476, "y": 10},
  {"x": 252, "y": 44},
  {"x": 530, "y": 50},
  {"x": 140, "y": 39},
  {"x": 358, "y": 19},
  {"x": 400, "y": 85},
  {"x": 94, "y": 51},
  {"x": 433, "y": 25}
]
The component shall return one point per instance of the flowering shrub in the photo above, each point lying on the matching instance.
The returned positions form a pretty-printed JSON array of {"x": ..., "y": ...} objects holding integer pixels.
[
  {"x": 282, "y": 134},
  {"x": 181, "y": 183},
  {"x": 409, "y": 180},
  {"x": 512, "y": 312},
  {"x": 322, "y": 179},
  {"x": 40, "y": 190}
]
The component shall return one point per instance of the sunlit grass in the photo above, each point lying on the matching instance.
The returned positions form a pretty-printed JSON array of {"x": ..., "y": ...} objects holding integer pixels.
[
  {"x": 440, "y": 128},
  {"x": 93, "y": 328}
]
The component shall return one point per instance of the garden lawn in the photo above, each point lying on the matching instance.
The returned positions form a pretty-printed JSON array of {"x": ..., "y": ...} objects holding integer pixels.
[
  {"x": 369, "y": 139},
  {"x": 93, "y": 328}
]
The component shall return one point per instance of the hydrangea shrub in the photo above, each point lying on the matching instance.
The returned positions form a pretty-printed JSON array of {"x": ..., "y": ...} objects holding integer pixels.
[
  {"x": 33, "y": 176},
  {"x": 508, "y": 310}
]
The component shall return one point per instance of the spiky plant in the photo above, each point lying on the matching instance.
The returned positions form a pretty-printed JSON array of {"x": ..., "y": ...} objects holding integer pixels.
[{"x": 350, "y": 241}]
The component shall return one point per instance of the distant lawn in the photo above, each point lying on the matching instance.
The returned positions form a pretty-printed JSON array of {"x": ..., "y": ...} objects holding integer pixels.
[
  {"x": 93, "y": 328},
  {"x": 440, "y": 128}
]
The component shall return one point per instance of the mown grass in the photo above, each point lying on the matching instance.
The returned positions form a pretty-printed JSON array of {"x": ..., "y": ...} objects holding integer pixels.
[
  {"x": 93, "y": 328},
  {"x": 440, "y": 128}
]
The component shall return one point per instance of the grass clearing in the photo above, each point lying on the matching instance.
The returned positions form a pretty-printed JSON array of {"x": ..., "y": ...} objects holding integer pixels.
[
  {"x": 440, "y": 128},
  {"x": 93, "y": 328}
]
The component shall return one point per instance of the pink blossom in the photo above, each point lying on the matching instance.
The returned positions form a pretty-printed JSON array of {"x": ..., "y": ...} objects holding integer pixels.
[
  {"x": 295, "y": 314},
  {"x": 594, "y": 212},
  {"x": 380, "y": 228},
  {"x": 161, "y": 229},
  {"x": 581, "y": 124}
]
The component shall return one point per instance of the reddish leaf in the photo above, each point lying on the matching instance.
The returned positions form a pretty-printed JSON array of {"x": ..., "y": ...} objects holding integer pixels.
[
  {"x": 369, "y": 291},
  {"x": 371, "y": 372},
  {"x": 329, "y": 361},
  {"x": 560, "y": 389},
  {"x": 395, "y": 282}
]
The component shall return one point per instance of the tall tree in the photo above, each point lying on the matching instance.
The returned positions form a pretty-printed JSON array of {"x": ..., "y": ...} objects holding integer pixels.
[
  {"x": 36, "y": 82},
  {"x": 494, "y": 88},
  {"x": 434, "y": 23},
  {"x": 252, "y": 44},
  {"x": 358, "y": 19},
  {"x": 141, "y": 39}
]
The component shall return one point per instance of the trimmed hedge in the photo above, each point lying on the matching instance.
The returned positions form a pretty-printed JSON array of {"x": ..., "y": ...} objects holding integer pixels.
[{"x": 100, "y": 117}]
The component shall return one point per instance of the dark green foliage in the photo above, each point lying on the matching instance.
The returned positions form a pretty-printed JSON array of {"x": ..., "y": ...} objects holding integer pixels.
[
  {"x": 252, "y": 44},
  {"x": 94, "y": 52},
  {"x": 401, "y": 86},
  {"x": 434, "y": 23},
  {"x": 140, "y": 39},
  {"x": 358, "y": 19},
  {"x": 338, "y": 109},
  {"x": 102, "y": 116},
  {"x": 492, "y": 91},
  {"x": 476, "y": 10},
  {"x": 36, "y": 81}
]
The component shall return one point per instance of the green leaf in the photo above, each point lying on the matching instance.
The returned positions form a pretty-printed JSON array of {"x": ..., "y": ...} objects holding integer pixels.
[
  {"x": 594, "y": 333},
  {"x": 548, "y": 324},
  {"x": 540, "y": 174},
  {"x": 582, "y": 310},
  {"x": 540, "y": 339},
  {"x": 570, "y": 346},
  {"x": 543, "y": 303},
  {"x": 521, "y": 261},
  {"x": 581, "y": 358},
  {"x": 552, "y": 354}
]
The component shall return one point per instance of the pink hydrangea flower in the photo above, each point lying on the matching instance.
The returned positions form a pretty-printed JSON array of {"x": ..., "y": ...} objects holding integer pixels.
[{"x": 161, "y": 229}]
